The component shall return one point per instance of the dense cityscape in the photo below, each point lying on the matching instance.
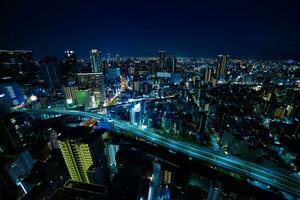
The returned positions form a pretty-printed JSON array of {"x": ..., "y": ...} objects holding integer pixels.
[
  {"x": 149, "y": 100},
  {"x": 160, "y": 127}
]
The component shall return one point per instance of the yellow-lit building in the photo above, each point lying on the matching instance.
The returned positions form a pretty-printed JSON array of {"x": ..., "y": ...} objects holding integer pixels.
[
  {"x": 77, "y": 157},
  {"x": 80, "y": 149}
]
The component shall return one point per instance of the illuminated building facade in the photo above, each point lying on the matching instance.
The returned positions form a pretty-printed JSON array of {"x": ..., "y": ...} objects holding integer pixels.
[
  {"x": 222, "y": 68},
  {"x": 95, "y": 82},
  {"x": 83, "y": 97},
  {"x": 162, "y": 60},
  {"x": 171, "y": 64},
  {"x": 83, "y": 153},
  {"x": 95, "y": 57},
  {"x": 70, "y": 95},
  {"x": 77, "y": 158},
  {"x": 70, "y": 61}
]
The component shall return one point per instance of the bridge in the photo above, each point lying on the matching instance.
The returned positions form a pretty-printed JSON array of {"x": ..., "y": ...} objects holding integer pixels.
[{"x": 274, "y": 179}]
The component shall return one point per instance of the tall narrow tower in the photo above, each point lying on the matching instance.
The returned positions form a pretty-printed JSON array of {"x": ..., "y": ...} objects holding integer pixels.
[
  {"x": 222, "y": 68},
  {"x": 96, "y": 63}
]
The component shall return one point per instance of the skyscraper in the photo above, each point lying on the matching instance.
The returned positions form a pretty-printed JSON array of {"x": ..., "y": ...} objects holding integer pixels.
[
  {"x": 81, "y": 148},
  {"x": 95, "y": 82},
  {"x": 70, "y": 61},
  {"x": 49, "y": 74},
  {"x": 171, "y": 64},
  {"x": 222, "y": 68},
  {"x": 162, "y": 60},
  {"x": 209, "y": 72},
  {"x": 96, "y": 62}
]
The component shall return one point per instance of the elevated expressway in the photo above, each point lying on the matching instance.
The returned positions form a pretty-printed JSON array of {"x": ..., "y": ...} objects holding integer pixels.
[{"x": 270, "y": 177}]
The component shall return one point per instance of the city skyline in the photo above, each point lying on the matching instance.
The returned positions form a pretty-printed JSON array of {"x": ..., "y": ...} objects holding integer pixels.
[
  {"x": 155, "y": 100},
  {"x": 267, "y": 30}
]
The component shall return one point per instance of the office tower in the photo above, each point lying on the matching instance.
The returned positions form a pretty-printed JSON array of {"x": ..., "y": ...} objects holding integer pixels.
[
  {"x": 96, "y": 62},
  {"x": 94, "y": 82},
  {"x": 15, "y": 131},
  {"x": 222, "y": 68},
  {"x": 70, "y": 94},
  {"x": 12, "y": 93},
  {"x": 81, "y": 148},
  {"x": 83, "y": 97},
  {"x": 70, "y": 61},
  {"x": 171, "y": 64},
  {"x": 162, "y": 60},
  {"x": 49, "y": 73}
]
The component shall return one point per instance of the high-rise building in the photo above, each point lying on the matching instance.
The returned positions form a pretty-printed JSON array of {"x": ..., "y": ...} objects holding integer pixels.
[
  {"x": 81, "y": 148},
  {"x": 70, "y": 61},
  {"x": 94, "y": 82},
  {"x": 171, "y": 64},
  {"x": 49, "y": 73},
  {"x": 83, "y": 97},
  {"x": 162, "y": 60},
  {"x": 208, "y": 74},
  {"x": 222, "y": 68},
  {"x": 96, "y": 62}
]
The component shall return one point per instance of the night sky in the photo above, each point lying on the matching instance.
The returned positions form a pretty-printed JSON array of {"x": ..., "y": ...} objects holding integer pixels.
[{"x": 248, "y": 29}]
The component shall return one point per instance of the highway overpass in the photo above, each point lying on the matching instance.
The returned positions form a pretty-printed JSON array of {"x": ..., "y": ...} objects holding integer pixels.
[{"x": 273, "y": 178}]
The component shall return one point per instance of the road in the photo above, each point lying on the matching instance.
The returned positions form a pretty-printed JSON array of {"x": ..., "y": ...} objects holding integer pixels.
[{"x": 274, "y": 178}]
